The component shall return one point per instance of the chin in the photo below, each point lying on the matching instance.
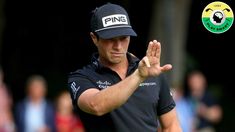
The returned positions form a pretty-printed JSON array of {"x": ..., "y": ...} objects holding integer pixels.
[{"x": 115, "y": 61}]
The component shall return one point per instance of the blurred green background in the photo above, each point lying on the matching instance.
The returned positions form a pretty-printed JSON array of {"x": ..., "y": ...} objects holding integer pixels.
[{"x": 51, "y": 38}]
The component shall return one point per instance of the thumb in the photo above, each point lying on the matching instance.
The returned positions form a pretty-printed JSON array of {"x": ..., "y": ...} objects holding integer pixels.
[
  {"x": 146, "y": 61},
  {"x": 166, "y": 67}
]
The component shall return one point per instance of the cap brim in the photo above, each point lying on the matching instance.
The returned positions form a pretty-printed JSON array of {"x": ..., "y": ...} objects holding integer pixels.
[{"x": 116, "y": 32}]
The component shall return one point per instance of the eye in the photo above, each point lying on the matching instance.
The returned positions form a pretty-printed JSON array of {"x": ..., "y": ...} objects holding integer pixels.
[{"x": 124, "y": 37}]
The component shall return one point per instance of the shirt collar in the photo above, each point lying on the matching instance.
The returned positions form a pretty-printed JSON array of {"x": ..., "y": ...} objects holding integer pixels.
[{"x": 132, "y": 59}]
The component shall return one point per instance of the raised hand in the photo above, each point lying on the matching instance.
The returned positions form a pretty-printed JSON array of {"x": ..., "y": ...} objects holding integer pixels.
[{"x": 150, "y": 64}]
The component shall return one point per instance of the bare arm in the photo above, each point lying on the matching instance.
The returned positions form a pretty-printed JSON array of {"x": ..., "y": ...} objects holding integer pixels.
[
  {"x": 98, "y": 102},
  {"x": 169, "y": 122}
]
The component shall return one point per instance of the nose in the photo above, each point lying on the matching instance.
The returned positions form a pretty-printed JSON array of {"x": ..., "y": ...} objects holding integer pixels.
[{"x": 117, "y": 44}]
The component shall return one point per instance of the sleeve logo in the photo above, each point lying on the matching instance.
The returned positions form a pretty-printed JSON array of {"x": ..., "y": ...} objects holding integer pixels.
[{"x": 74, "y": 89}]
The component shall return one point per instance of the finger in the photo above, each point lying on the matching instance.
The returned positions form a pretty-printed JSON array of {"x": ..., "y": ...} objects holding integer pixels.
[
  {"x": 146, "y": 61},
  {"x": 154, "y": 48},
  {"x": 158, "y": 51},
  {"x": 149, "y": 50},
  {"x": 166, "y": 67}
]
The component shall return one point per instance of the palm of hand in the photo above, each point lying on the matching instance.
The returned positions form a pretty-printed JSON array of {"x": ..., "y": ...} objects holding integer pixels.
[{"x": 150, "y": 64}]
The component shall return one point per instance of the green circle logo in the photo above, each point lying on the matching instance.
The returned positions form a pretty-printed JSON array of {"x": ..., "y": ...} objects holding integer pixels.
[{"x": 217, "y": 17}]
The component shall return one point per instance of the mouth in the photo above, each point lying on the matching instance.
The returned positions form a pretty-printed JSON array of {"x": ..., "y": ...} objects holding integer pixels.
[{"x": 117, "y": 54}]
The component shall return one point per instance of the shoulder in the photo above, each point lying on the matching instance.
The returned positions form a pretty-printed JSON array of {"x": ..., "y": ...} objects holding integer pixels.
[
  {"x": 87, "y": 73},
  {"x": 49, "y": 103},
  {"x": 21, "y": 103},
  {"x": 82, "y": 71},
  {"x": 78, "y": 73},
  {"x": 20, "y": 106}
]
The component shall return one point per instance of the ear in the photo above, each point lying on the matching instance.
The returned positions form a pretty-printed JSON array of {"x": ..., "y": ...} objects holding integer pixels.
[{"x": 94, "y": 38}]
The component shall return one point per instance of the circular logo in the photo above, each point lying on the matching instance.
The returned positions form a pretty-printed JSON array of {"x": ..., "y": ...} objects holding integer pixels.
[{"x": 217, "y": 17}]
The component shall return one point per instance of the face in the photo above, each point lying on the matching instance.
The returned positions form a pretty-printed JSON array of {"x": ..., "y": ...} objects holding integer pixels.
[
  {"x": 64, "y": 103},
  {"x": 37, "y": 89},
  {"x": 112, "y": 51},
  {"x": 197, "y": 84}
]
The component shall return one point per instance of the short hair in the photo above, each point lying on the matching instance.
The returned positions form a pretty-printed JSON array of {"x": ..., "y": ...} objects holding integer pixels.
[{"x": 35, "y": 77}]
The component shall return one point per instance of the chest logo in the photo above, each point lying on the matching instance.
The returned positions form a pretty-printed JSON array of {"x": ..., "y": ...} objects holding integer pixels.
[
  {"x": 147, "y": 84},
  {"x": 103, "y": 84}
]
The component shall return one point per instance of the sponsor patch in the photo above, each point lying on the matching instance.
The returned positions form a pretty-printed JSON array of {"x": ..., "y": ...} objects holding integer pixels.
[
  {"x": 116, "y": 19},
  {"x": 103, "y": 85},
  {"x": 147, "y": 84}
]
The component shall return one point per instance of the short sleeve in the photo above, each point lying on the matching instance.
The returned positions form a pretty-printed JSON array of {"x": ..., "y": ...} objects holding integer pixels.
[
  {"x": 77, "y": 84},
  {"x": 166, "y": 102}
]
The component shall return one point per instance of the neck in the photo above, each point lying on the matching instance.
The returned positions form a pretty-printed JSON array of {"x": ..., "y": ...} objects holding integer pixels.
[
  {"x": 119, "y": 68},
  {"x": 35, "y": 100}
]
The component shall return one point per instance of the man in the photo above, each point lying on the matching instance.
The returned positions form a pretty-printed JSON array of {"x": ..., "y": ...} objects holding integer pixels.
[
  {"x": 35, "y": 113},
  {"x": 203, "y": 103},
  {"x": 117, "y": 92}
]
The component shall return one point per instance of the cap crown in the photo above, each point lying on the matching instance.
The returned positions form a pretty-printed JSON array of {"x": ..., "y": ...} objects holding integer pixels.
[
  {"x": 109, "y": 16},
  {"x": 111, "y": 20}
]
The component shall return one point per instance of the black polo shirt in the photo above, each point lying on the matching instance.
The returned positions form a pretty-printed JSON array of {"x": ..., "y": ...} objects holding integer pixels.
[{"x": 139, "y": 114}]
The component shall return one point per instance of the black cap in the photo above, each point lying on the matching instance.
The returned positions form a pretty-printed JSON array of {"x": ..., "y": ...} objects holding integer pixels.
[{"x": 111, "y": 20}]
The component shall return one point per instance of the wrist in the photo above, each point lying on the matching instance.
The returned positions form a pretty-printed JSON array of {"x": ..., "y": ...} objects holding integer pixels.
[{"x": 139, "y": 76}]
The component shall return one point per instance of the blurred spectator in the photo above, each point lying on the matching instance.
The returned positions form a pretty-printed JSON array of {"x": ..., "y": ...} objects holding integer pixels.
[
  {"x": 206, "y": 107},
  {"x": 35, "y": 113},
  {"x": 66, "y": 120},
  {"x": 6, "y": 115},
  {"x": 185, "y": 114}
]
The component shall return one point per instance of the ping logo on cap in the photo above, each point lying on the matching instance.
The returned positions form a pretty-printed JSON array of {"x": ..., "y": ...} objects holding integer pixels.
[
  {"x": 116, "y": 19},
  {"x": 110, "y": 21}
]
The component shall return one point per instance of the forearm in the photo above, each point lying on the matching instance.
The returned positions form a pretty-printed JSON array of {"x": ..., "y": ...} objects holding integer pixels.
[
  {"x": 114, "y": 96},
  {"x": 173, "y": 128},
  {"x": 170, "y": 122}
]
